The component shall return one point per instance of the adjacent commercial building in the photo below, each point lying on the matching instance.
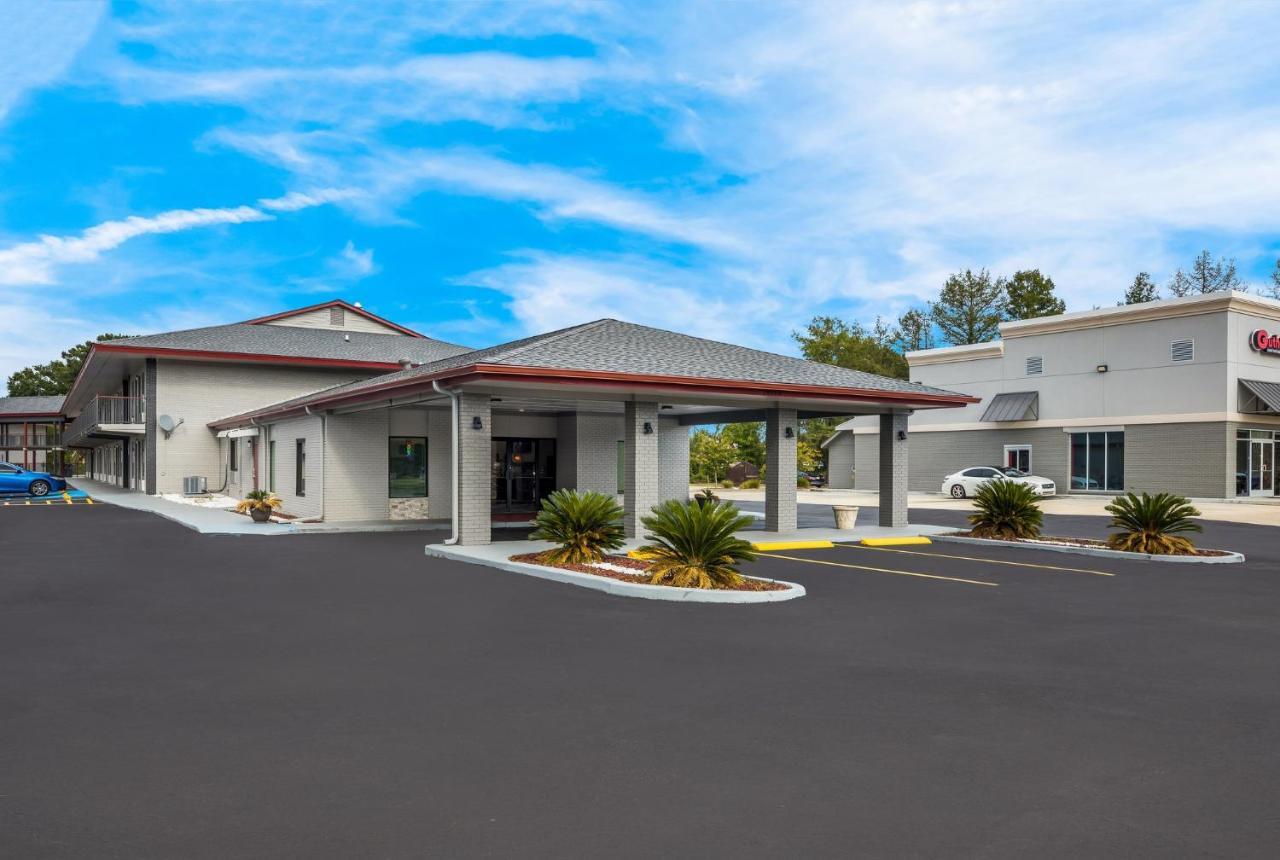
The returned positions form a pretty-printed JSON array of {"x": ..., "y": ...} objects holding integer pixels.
[
  {"x": 350, "y": 417},
  {"x": 1180, "y": 395},
  {"x": 31, "y": 433}
]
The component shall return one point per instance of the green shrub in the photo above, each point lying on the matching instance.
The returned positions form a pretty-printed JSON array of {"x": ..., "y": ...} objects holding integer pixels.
[
  {"x": 750, "y": 484},
  {"x": 1153, "y": 524},
  {"x": 727, "y": 484},
  {"x": 1005, "y": 509},
  {"x": 802, "y": 482},
  {"x": 706, "y": 497},
  {"x": 584, "y": 526},
  {"x": 693, "y": 545}
]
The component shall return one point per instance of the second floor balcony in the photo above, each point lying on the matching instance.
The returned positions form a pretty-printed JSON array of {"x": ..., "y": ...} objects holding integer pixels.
[{"x": 107, "y": 416}]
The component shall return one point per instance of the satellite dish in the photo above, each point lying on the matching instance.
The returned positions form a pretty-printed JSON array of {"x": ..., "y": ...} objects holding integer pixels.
[{"x": 166, "y": 423}]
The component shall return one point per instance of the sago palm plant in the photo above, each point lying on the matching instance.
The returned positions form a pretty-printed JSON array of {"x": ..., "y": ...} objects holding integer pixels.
[
  {"x": 1153, "y": 524},
  {"x": 583, "y": 526},
  {"x": 1005, "y": 509},
  {"x": 693, "y": 545}
]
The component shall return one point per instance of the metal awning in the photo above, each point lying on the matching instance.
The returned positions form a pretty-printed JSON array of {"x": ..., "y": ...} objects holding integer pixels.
[
  {"x": 1260, "y": 398},
  {"x": 1013, "y": 406}
]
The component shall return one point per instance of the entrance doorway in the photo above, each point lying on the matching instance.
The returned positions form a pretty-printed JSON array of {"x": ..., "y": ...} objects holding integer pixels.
[
  {"x": 523, "y": 471},
  {"x": 1261, "y": 467}
]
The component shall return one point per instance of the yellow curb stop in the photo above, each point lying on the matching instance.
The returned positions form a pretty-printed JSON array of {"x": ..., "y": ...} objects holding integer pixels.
[
  {"x": 916, "y": 540},
  {"x": 769, "y": 546}
]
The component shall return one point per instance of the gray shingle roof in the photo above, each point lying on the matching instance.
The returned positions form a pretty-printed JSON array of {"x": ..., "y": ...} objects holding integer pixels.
[
  {"x": 299, "y": 342},
  {"x": 30, "y": 405},
  {"x": 611, "y": 345}
]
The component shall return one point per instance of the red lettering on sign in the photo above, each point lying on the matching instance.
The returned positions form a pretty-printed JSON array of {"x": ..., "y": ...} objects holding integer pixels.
[{"x": 1262, "y": 341}]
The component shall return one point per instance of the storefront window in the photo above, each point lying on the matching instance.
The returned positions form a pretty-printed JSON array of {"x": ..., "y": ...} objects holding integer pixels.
[
  {"x": 407, "y": 459},
  {"x": 1097, "y": 461}
]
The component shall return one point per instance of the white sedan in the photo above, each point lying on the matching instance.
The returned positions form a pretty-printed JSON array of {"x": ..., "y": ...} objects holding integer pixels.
[{"x": 967, "y": 481}]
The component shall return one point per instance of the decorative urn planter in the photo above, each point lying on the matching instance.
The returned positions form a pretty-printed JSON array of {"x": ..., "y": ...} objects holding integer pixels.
[
  {"x": 846, "y": 516},
  {"x": 260, "y": 515}
]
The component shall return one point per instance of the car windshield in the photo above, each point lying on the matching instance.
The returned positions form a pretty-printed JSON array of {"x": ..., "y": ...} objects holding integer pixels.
[{"x": 1014, "y": 473}]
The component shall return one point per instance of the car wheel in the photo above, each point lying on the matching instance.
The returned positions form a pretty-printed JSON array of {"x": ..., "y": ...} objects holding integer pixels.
[
  {"x": 39, "y": 488},
  {"x": 957, "y": 491}
]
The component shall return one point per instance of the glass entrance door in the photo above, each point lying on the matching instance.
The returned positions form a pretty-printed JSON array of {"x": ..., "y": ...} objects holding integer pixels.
[
  {"x": 1261, "y": 467},
  {"x": 522, "y": 472}
]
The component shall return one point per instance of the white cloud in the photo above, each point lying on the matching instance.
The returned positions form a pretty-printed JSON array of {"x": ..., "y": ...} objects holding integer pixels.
[
  {"x": 355, "y": 263},
  {"x": 40, "y": 40}
]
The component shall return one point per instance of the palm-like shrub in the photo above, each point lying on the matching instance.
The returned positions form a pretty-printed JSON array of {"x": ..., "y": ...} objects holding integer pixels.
[
  {"x": 583, "y": 526},
  {"x": 693, "y": 545},
  {"x": 706, "y": 497},
  {"x": 1005, "y": 509},
  {"x": 1153, "y": 524}
]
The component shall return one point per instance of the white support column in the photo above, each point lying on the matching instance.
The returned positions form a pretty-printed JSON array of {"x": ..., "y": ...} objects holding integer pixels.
[
  {"x": 642, "y": 484},
  {"x": 781, "y": 436},
  {"x": 474, "y": 473},
  {"x": 893, "y": 470}
]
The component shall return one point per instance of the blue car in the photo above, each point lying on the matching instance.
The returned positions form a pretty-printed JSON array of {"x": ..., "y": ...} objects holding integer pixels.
[{"x": 15, "y": 479}]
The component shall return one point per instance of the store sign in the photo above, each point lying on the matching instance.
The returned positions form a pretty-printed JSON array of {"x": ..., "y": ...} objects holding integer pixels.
[{"x": 1262, "y": 341}]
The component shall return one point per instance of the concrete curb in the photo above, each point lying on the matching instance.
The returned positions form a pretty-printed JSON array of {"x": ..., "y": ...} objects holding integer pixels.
[
  {"x": 1230, "y": 558},
  {"x": 627, "y": 589}
]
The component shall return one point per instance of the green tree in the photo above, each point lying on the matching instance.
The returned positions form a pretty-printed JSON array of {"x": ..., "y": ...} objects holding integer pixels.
[
  {"x": 747, "y": 439},
  {"x": 710, "y": 455},
  {"x": 1029, "y": 294},
  {"x": 1207, "y": 276},
  {"x": 1275, "y": 281},
  {"x": 1143, "y": 289},
  {"x": 833, "y": 341},
  {"x": 915, "y": 331},
  {"x": 809, "y": 451},
  {"x": 55, "y": 377},
  {"x": 969, "y": 308}
]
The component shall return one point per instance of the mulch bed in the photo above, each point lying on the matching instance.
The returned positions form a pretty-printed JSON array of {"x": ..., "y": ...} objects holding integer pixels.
[
  {"x": 1082, "y": 542},
  {"x": 639, "y": 566}
]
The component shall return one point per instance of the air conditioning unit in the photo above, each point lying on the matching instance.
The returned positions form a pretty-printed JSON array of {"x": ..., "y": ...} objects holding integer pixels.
[{"x": 195, "y": 485}]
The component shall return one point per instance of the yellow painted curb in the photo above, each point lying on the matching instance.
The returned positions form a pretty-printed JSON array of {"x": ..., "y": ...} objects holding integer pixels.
[
  {"x": 767, "y": 546},
  {"x": 639, "y": 554},
  {"x": 918, "y": 540}
]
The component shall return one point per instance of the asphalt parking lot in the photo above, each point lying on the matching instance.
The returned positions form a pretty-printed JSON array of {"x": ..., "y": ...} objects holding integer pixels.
[{"x": 167, "y": 694}]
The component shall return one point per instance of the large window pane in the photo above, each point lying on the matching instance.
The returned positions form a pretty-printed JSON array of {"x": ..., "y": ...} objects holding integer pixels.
[
  {"x": 1115, "y": 461},
  {"x": 1242, "y": 466},
  {"x": 407, "y": 467},
  {"x": 1079, "y": 461},
  {"x": 1097, "y": 461}
]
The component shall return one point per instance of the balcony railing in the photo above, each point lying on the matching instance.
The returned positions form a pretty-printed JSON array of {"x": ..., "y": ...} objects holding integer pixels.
[
  {"x": 107, "y": 412},
  {"x": 31, "y": 440}
]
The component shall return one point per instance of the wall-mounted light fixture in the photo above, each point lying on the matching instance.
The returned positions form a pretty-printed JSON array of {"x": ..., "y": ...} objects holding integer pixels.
[
  {"x": 902, "y": 435},
  {"x": 476, "y": 423},
  {"x": 1101, "y": 368},
  {"x": 788, "y": 433},
  {"x": 648, "y": 428}
]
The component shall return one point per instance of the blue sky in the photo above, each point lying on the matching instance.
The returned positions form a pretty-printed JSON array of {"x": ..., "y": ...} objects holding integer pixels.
[{"x": 480, "y": 172}]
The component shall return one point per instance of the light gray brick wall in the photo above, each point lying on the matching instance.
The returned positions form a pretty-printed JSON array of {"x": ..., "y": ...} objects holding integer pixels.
[
  {"x": 475, "y": 478},
  {"x": 439, "y": 465},
  {"x": 567, "y": 451},
  {"x": 595, "y": 461},
  {"x": 355, "y": 467},
  {"x": 840, "y": 462},
  {"x": 1188, "y": 459},
  {"x": 780, "y": 470},
  {"x": 286, "y": 434},
  {"x": 673, "y": 459},
  {"x": 893, "y": 470},
  {"x": 936, "y": 455},
  {"x": 643, "y": 476},
  {"x": 199, "y": 392}
]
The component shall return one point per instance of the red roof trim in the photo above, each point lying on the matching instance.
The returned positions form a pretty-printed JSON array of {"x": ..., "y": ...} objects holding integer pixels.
[
  {"x": 505, "y": 373},
  {"x": 336, "y": 303}
]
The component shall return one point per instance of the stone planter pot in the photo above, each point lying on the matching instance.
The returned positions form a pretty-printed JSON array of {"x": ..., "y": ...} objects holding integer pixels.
[
  {"x": 260, "y": 515},
  {"x": 846, "y": 516}
]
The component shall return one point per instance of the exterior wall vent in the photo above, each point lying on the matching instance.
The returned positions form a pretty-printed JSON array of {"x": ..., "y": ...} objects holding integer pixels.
[
  {"x": 194, "y": 485},
  {"x": 1035, "y": 365},
  {"x": 337, "y": 316},
  {"x": 1182, "y": 350}
]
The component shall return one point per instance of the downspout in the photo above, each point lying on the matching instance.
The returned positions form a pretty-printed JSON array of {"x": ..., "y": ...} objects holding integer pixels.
[
  {"x": 324, "y": 443},
  {"x": 453, "y": 465}
]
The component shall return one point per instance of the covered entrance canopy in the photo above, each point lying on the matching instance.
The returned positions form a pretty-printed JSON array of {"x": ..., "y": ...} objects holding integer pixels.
[{"x": 656, "y": 384}]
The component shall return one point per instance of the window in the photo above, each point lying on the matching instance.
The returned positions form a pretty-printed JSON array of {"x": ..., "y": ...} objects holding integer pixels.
[
  {"x": 1018, "y": 457},
  {"x": 233, "y": 454},
  {"x": 622, "y": 467},
  {"x": 337, "y": 316},
  {"x": 407, "y": 467},
  {"x": 1182, "y": 350},
  {"x": 980, "y": 473},
  {"x": 1035, "y": 365},
  {"x": 1097, "y": 460},
  {"x": 271, "y": 465},
  {"x": 300, "y": 467},
  {"x": 8, "y": 468}
]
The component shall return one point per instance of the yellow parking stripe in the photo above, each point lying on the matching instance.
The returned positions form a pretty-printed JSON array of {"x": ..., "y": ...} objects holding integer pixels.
[
  {"x": 88, "y": 501},
  {"x": 883, "y": 570},
  {"x": 984, "y": 560}
]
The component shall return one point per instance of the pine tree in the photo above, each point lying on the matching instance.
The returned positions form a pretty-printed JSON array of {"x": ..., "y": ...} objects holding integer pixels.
[
  {"x": 1207, "y": 276},
  {"x": 1029, "y": 294},
  {"x": 915, "y": 331},
  {"x": 969, "y": 308},
  {"x": 1143, "y": 289},
  {"x": 1275, "y": 281}
]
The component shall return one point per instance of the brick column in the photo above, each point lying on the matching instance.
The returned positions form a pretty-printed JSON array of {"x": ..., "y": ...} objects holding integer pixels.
[
  {"x": 474, "y": 469},
  {"x": 780, "y": 470},
  {"x": 642, "y": 476},
  {"x": 893, "y": 470}
]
